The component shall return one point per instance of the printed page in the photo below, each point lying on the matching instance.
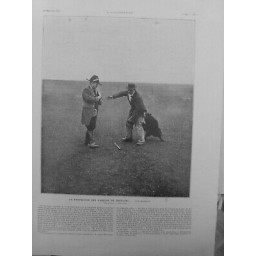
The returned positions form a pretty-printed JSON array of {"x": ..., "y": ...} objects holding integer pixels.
[{"x": 127, "y": 122}]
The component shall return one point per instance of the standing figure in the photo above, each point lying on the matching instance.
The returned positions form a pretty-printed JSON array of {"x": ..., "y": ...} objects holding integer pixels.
[
  {"x": 91, "y": 101},
  {"x": 136, "y": 113}
]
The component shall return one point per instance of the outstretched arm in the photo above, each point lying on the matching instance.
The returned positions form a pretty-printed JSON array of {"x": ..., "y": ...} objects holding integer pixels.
[{"x": 118, "y": 95}]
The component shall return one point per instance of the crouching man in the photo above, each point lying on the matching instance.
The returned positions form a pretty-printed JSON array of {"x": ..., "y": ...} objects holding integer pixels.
[{"x": 136, "y": 113}]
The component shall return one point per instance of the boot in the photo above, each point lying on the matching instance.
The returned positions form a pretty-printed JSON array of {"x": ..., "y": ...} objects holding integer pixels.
[
  {"x": 125, "y": 139},
  {"x": 93, "y": 145}
]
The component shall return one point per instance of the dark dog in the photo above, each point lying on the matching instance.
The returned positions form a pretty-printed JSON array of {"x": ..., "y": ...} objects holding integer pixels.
[{"x": 151, "y": 127}]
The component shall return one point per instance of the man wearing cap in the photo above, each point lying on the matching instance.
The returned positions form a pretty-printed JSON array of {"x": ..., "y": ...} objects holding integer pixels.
[
  {"x": 136, "y": 113},
  {"x": 91, "y": 101}
]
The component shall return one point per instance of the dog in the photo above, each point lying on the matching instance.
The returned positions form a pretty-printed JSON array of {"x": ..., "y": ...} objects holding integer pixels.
[{"x": 151, "y": 127}]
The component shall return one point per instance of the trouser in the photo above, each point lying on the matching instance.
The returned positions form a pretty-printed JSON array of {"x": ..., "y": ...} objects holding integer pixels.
[
  {"x": 139, "y": 128},
  {"x": 89, "y": 136}
]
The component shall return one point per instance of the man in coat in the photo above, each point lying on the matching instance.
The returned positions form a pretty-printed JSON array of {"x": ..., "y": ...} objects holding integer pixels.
[
  {"x": 136, "y": 113},
  {"x": 91, "y": 101}
]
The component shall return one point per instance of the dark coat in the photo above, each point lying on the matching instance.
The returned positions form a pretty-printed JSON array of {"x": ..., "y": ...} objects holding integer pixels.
[
  {"x": 137, "y": 106},
  {"x": 90, "y": 105}
]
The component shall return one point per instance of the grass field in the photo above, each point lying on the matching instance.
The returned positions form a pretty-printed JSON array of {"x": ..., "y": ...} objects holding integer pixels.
[{"x": 157, "y": 169}]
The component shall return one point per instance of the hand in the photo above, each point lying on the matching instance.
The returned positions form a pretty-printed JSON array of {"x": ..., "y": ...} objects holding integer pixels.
[
  {"x": 95, "y": 112},
  {"x": 110, "y": 97}
]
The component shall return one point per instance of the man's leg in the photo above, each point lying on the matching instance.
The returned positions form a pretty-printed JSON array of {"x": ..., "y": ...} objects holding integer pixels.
[
  {"x": 90, "y": 131},
  {"x": 87, "y": 138},
  {"x": 140, "y": 131},
  {"x": 128, "y": 136},
  {"x": 129, "y": 126}
]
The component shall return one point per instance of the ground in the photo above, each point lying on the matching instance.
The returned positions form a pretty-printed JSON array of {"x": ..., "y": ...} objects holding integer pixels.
[{"x": 157, "y": 169}]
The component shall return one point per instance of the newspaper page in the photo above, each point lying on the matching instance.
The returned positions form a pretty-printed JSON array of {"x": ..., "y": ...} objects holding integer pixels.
[{"x": 127, "y": 116}]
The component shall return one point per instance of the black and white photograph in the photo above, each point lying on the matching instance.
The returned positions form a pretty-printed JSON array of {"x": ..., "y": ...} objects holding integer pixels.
[{"x": 117, "y": 106}]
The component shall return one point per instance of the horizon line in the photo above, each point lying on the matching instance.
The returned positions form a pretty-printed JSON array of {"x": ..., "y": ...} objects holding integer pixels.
[{"x": 119, "y": 82}]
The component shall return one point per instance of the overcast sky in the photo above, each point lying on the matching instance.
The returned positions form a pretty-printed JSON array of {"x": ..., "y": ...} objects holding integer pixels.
[{"x": 119, "y": 49}]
